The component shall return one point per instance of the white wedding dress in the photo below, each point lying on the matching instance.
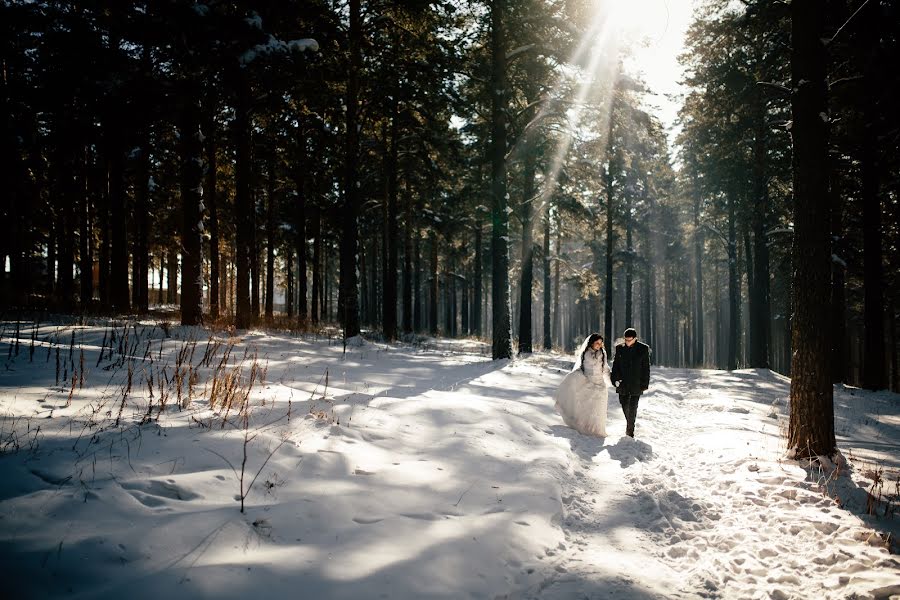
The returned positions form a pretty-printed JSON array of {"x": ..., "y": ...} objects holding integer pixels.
[{"x": 583, "y": 394}]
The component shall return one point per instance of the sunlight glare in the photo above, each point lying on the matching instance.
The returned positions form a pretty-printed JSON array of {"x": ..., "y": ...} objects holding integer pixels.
[{"x": 638, "y": 22}]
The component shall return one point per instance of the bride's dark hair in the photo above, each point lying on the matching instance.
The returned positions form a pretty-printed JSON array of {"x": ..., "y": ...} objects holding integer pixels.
[{"x": 591, "y": 339}]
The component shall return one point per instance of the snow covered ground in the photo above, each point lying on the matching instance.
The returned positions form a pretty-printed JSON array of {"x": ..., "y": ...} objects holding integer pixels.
[{"x": 416, "y": 471}]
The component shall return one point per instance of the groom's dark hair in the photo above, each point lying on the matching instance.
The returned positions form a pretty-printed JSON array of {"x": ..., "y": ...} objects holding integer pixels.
[{"x": 630, "y": 333}]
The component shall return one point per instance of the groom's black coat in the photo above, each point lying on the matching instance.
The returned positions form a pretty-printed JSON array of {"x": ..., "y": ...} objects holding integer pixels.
[{"x": 631, "y": 367}]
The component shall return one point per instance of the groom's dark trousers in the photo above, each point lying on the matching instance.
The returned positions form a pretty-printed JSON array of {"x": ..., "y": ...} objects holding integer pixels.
[{"x": 629, "y": 404}]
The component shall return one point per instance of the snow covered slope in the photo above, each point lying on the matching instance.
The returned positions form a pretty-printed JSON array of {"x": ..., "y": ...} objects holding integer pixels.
[{"x": 412, "y": 472}]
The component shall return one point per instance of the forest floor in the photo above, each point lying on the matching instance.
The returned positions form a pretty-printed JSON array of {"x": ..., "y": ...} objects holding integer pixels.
[{"x": 417, "y": 470}]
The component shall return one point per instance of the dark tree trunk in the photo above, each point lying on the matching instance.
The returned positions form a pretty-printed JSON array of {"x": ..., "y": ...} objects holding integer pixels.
[
  {"x": 629, "y": 264},
  {"x": 289, "y": 281},
  {"x": 839, "y": 342},
  {"x": 211, "y": 201},
  {"x": 67, "y": 196},
  {"x": 527, "y": 279},
  {"x": 608, "y": 291},
  {"x": 478, "y": 282},
  {"x": 349, "y": 294},
  {"x": 326, "y": 285},
  {"x": 389, "y": 294},
  {"x": 811, "y": 429},
  {"x": 103, "y": 258},
  {"x": 548, "y": 335},
  {"x": 191, "y": 152},
  {"x": 366, "y": 280},
  {"x": 699, "y": 349},
  {"x": 760, "y": 311},
  {"x": 172, "y": 274},
  {"x": 243, "y": 203},
  {"x": 302, "y": 280},
  {"x": 407, "y": 262},
  {"x": 433, "y": 295},
  {"x": 255, "y": 270},
  {"x": 118, "y": 283},
  {"x": 315, "y": 301},
  {"x": 557, "y": 317},
  {"x": 734, "y": 288},
  {"x": 895, "y": 362},
  {"x": 141, "y": 249},
  {"x": 271, "y": 208},
  {"x": 300, "y": 180},
  {"x": 464, "y": 292},
  {"x": 874, "y": 376},
  {"x": 85, "y": 239},
  {"x": 501, "y": 346},
  {"x": 417, "y": 283}
]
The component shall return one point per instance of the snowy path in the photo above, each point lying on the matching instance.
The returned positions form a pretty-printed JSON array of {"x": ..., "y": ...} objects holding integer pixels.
[
  {"x": 434, "y": 474},
  {"x": 717, "y": 506}
]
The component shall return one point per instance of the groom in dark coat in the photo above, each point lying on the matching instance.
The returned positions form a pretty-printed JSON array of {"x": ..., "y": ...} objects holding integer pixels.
[{"x": 631, "y": 375}]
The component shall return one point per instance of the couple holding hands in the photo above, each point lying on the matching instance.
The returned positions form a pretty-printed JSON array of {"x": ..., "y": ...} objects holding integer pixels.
[{"x": 582, "y": 396}]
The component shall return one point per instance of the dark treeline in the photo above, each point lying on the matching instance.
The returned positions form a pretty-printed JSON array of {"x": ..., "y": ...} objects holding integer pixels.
[
  {"x": 414, "y": 166},
  {"x": 739, "y": 185}
]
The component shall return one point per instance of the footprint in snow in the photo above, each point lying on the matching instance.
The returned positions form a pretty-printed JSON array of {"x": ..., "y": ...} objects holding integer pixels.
[
  {"x": 367, "y": 520},
  {"x": 156, "y": 493}
]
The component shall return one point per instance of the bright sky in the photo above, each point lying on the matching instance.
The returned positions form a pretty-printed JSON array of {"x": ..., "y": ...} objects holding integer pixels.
[{"x": 662, "y": 24}]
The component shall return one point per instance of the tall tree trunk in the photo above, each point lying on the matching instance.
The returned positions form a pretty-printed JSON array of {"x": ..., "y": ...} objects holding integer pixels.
[
  {"x": 608, "y": 292},
  {"x": 548, "y": 334},
  {"x": 527, "y": 279},
  {"x": 289, "y": 292},
  {"x": 760, "y": 310},
  {"x": 629, "y": 263},
  {"x": 464, "y": 291},
  {"x": 271, "y": 208},
  {"x": 417, "y": 283},
  {"x": 478, "y": 282},
  {"x": 103, "y": 219},
  {"x": 389, "y": 294},
  {"x": 67, "y": 196},
  {"x": 315, "y": 301},
  {"x": 811, "y": 429},
  {"x": 141, "y": 248},
  {"x": 433, "y": 295},
  {"x": 243, "y": 202},
  {"x": 699, "y": 349},
  {"x": 300, "y": 180},
  {"x": 211, "y": 201},
  {"x": 874, "y": 376},
  {"x": 501, "y": 346},
  {"x": 557, "y": 315},
  {"x": 85, "y": 238},
  {"x": 349, "y": 294},
  {"x": 366, "y": 279},
  {"x": 118, "y": 275},
  {"x": 191, "y": 187},
  {"x": 734, "y": 289},
  {"x": 255, "y": 270},
  {"x": 171, "y": 274},
  {"x": 407, "y": 260},
  {"x": 302, "y": 279},
  {"x": 839, "y": 341}
]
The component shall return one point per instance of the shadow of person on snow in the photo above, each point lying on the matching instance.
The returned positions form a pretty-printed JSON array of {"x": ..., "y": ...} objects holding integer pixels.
[
  {"x": 628, "y": 451},
  {"x": 625, "y": 450}
]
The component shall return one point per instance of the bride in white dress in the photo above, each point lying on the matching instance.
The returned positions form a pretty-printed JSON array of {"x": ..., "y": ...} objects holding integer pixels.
[{"x": 582, "y": 396}]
